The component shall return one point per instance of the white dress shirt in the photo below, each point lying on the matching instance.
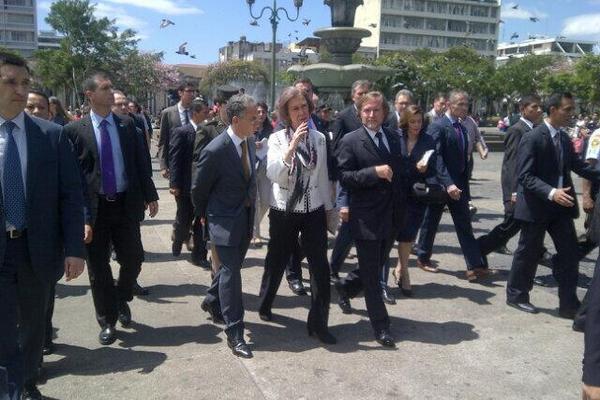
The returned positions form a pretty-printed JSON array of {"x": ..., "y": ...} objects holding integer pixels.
[
  {"x": 375, "y": 140},
  {"x": 115, "y": 142},
  {"x": 553, "y": 133},
  {"x": 181, "y": 110}
]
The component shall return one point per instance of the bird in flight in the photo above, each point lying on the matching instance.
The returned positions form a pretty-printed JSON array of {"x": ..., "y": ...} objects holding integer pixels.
[
  {"x": 515, "y": 35},
  {"x": 305, "y": 22},
  {"x": 515, "y": 7},
  {"x": 193, "y": 56},
  {"x": 373, "y": 25},
  {"x": 534, "y": 19},
  {"x": 254, "y": 22},
  {"x": 166, "y": 22},
  {"x": 181, "y": 50}
]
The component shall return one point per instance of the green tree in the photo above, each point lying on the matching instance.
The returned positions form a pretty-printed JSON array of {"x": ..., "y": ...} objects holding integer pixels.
[
  {"x": 235, "y": 70},
  {"x": 522, "y": 76},
  {"x": 587, "y": 79}
]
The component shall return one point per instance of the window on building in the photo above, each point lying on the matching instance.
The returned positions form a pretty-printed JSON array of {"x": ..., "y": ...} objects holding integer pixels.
[
  {"x": 437, "y": 7},
  {"x": 21, "y": 36},
  {"x": 458, "y": 9},
  {"x": 457, "y": 26},
  {"x": 493, "y": 12},
  {"x": 413, "y": 23},
  {"x": 19, "y": 18},
  {"x": 478, "y": 27},
  {"x": 434, "y": 42},
  {"x": 479, "y": 11},
  {"x": 22, "y": 3},
  {"x": 435, "y": 24}
]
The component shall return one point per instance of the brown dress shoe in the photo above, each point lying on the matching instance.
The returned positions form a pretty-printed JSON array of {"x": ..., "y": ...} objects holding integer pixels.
[{"x": 426, "y": 266}]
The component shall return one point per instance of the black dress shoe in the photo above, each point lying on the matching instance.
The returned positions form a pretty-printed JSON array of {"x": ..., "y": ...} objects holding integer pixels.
[
  {"x": 108, "y": 335},
  {"x": 568, "y": 313},
  {"x": 216, "y": 317},
  {"x": 139, "y": 290},
  {"x": 297, "y": 287},
  {"x": 124, "y": 314},
  {"x": 545, "y": 281},
  {"x": 344, "y": 301},
  {"x": 239, "y": 348},
  {"x": 176, "y": 248},
  {"x": 31, "y": 392},
  {"x": 385, "y": 338},
  {"x": 48, "y": 348},
  {"x": 387, "y": 297},
  {"x": 334, "y": 277},
  {"x": 324, "y": 337},
  {"x": 204, "y": 264},
  {"x": 523, "y": 306},
  {"x": 265, "y": 315},
  {"x": 546, "y": 260}
]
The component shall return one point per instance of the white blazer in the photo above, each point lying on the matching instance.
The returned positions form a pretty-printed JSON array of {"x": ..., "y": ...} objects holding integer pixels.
[{"x": 318, "y": 193}]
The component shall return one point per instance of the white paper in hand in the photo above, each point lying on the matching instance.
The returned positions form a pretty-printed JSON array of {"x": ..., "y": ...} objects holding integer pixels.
[{"x": 426, "y": 157}]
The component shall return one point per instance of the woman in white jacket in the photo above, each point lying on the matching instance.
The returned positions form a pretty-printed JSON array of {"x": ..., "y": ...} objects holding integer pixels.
[{"x": 297, "y": 167}]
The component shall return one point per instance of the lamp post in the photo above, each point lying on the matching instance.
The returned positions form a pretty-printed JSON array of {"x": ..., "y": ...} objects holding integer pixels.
[{"x": 274, "y": 19}]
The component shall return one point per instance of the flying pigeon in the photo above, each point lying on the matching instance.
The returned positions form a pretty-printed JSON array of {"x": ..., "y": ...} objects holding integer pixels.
[
  {"x": 254, "y": 22},
  {"x": 166, "y": 22},
  {"x": 373, "y": 25},
  {"x": 501, "y": 21},
  {"x": 305, "y": 22},
  {"x": 534, "y": 19},
  {"x": 515, "y": 35},
  {"x": 181, "y": 50},
  {"x": 532, "y": 37},
  {"x": 193, "y": 56},
  {"x": 515, "y": 7}
]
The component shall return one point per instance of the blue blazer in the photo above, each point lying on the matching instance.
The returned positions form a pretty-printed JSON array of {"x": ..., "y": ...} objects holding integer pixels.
[
  {"x": 451, "y": 165},
  {"x": 220, "y": 192},
  {"x": 424, "y": 143},
  {"x": 55, "y": 207}
]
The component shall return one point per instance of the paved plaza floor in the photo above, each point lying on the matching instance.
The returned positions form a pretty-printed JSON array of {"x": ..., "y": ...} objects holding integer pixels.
[{"x": 455, "y": 340}]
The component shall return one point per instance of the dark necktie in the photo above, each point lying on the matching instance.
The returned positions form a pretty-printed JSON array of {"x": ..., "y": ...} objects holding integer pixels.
[
  {"x": 109, "y": 179},
  {"x": 557, "y": 147},
  {"x": 245, "y": 164},
  {"x": 14, "y": 190},
  {"x": 380, "y": 145},
  {"x": 460, "y": 140},
  {"x": 186, "y": 114}
]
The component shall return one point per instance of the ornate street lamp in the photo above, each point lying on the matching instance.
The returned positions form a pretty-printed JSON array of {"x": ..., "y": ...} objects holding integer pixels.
[{"x": 274, "y": 19}]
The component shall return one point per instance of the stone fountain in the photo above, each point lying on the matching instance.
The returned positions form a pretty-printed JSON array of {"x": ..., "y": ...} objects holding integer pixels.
[{"x": 333, "y": 80}]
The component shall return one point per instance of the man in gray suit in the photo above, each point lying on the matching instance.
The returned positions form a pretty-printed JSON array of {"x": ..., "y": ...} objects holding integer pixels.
[{"x": 223, "y": 194}]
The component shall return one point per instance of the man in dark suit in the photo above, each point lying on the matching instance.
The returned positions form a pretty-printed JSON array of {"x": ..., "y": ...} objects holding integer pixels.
[
  {"x": 42, "y": 212},
  {"x": 591, "y": 357},
  {"x": 531, "y": 115},
  {"x": 181, "y": 148},
  {"x": 348, "y": 120},
  {"x": 403, "y": 99},
  {"x": 546, "y": 202},
  {"x": 223, "y": 194},
  {"x": 369, "y": 166},
  {"x": 451, "y": 141},
  {"x": 174, "y": 117},
  {"x": 112, "y": 156}
]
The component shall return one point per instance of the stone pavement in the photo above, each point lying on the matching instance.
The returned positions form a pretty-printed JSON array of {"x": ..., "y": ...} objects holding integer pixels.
[{"x": 455, "y": 340}]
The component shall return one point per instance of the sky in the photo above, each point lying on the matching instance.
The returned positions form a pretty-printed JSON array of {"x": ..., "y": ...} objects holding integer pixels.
[{"x": 209, "y": 24}]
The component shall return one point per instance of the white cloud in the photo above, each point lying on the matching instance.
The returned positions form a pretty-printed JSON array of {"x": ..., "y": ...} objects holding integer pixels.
[
  {"x": 167, "y": 7},
  {"x": 122, "y": 19},
  {"x": 582, "y": 25},
  {"x": 508, "y": 12},
  {"x": 44, "y": 5}
]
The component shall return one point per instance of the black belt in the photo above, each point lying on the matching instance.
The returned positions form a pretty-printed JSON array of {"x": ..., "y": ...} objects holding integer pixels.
[
  {"x": 113, "y": 197},
  {"x": 15, "y": 234}
]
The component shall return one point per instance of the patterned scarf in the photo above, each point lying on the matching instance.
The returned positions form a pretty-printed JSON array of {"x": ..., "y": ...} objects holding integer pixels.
[{"x": 304, "y": 159}]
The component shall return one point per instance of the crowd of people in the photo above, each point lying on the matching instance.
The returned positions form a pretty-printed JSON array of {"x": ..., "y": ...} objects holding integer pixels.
[{"x": 77, "y": 189}]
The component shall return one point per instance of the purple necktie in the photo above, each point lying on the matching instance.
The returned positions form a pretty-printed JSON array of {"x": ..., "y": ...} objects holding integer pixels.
[{"x": 109, "y": 180}]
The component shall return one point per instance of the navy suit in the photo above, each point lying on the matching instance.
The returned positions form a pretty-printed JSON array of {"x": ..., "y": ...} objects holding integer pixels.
[
  {"x": 539, "y": 173},
  {"x": 376, "y": 212},
  {"x": 222, "y": 195},
  {"x": 32, "y": 263},
  {"x": 452, "y": 169}
]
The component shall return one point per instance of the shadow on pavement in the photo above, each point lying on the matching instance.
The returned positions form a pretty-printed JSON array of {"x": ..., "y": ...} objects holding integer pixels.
[
  {"x": 161, "y": 294},
  {"x": 440, "y": 291},
  {"x": 64, "y": 291},
  {"x": 81, "y": 361},
  {"x": 144, "y": 335}
]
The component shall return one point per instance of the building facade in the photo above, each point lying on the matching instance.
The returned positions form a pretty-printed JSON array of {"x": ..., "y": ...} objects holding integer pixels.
[
  {"x": 261, "y": 52},
  {"x": 434, "y": 24},
  {"x": 18, "y": 26},
  {"x": 559, "y": 46}
]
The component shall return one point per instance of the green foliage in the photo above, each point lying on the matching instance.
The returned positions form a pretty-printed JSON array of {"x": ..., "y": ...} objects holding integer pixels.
[
  {"x": 522, "y": 76},
  {"x": 587, "y": 79},
  {"x": 235, "y": 70}
]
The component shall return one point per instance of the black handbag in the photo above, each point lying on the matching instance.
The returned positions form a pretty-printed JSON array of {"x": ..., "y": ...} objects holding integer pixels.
[{"x": 429, "y": 193}]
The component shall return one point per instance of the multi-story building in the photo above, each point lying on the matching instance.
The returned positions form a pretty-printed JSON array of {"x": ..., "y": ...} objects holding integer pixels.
[
  {"x": 262, "y": 52},
  {"x": 18, "y": 26},
  {"x": 560, "y": 46},
  {"x": 49, "y": 40},
  {"x": 434, "y": 24}
]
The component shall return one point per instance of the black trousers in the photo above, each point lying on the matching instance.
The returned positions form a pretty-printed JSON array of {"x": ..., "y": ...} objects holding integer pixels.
[
  {"x": 500, "y": 235},
  {"x": 293, "y": 269},
  {"x": 531, "y": 242},
  {"x": 372, "y": 254},
  {"x": 225, "y": 292},
  {"x": 283, "y": 232},
  {"x": 184, "y": 226},
  {"x": 23, "y": 303},
  {"x": 113, "y": 224}
]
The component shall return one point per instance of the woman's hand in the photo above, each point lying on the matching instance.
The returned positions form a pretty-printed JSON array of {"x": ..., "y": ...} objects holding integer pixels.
[
  {"x": 421, "y": 167},
  {"x": 299, "y": 134}
]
